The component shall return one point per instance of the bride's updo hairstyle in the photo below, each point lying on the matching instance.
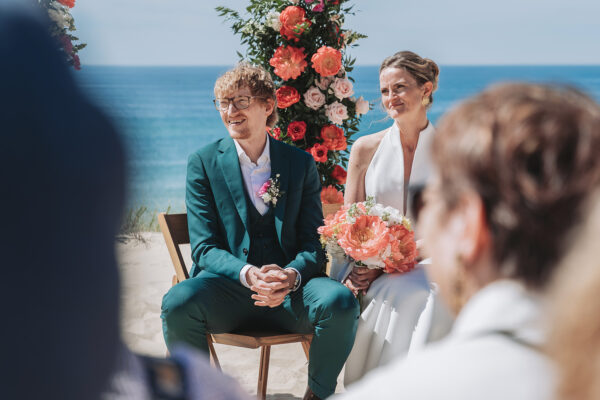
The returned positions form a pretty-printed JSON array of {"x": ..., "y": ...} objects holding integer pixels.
[
  {"x": 422, "y": 69},
  {"x": 531, "y": 152}
]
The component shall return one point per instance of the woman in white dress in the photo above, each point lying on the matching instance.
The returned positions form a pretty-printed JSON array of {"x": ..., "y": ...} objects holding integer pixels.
[{"x": 391, "y": 166}]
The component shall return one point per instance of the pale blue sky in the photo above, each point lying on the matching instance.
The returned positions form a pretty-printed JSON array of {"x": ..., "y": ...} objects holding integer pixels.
[{"x": 189, "y": 32}]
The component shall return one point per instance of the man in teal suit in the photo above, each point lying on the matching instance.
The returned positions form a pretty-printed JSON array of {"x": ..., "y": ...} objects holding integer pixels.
[{"x": 257, "y": 259}]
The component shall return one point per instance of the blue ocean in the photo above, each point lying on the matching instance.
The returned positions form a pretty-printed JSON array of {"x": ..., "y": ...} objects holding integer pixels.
[{"x": 166, "y": 113}]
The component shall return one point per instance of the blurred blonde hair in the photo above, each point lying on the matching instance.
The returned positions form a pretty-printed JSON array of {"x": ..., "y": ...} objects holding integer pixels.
[
  {"x": 574, "y": 340},
  {"x": 255, "y": 78}
]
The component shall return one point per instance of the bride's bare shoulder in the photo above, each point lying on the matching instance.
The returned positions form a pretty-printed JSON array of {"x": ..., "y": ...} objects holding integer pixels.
[{"x": 365, "y": 146}]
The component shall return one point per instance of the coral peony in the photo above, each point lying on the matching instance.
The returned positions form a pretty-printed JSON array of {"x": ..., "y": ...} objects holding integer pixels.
[
  {"x": 339, "y": 174},
  {"x": 296, "y": 130},
  {"x": 333, "y": 137},
  {"x": 319, "y": 152},
  {"x": 289, "y": 62},
  {"x": 334, "y": 223},
  {"x": 327, "y": 61},
  {"x": 403, "y": 250},
  {"x": 366, "y": 238},
  {"x": 314, "y": 98},
  {"x": 293, "y": 22},
  {"x": 68, "y": 3},
  {"x": 330, "y": 195},
  {"x": 286, "y": 96}
]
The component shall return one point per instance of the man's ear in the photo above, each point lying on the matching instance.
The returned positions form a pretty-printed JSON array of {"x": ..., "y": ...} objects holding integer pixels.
[
  {"x": 269, "y": 106},
  {"x": 475, "y": 236}
]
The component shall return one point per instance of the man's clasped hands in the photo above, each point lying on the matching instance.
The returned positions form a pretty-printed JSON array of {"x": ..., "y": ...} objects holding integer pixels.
[{"x": 271, "y": 284}]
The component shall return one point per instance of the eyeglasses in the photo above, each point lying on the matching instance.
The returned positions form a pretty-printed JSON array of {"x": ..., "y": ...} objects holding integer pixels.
[{"x": 239, "y": 102}]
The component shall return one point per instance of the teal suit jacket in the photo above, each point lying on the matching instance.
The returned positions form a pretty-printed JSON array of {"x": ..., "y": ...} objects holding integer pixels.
[{"x": 218, "y": 215}]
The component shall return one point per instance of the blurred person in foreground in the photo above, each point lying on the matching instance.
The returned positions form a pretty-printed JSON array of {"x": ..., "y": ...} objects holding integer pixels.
[
  {"x": 62, "y": 168},
  {"x": 514, "y": 165},
  {"x": 574, "y": 340}
]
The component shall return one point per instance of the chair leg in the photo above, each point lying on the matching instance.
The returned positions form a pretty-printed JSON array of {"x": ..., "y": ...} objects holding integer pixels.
[
  {"x": 213, "y": 354},
  {"x": 174, "y": 280},
  {"x": 306, "y": 347},
  {"x": 263, "y": 373}
]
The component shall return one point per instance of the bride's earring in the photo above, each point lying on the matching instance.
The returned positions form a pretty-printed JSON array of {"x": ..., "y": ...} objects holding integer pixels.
[
  {"x": 458, "y": 285},
  {"x": 425, "y": 101}
]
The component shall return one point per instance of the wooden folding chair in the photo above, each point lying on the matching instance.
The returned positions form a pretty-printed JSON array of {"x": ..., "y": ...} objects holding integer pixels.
[{"x": 175, "y": 231}]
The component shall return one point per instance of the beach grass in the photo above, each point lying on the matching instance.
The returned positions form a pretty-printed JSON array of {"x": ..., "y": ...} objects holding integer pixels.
[{"x": 138, "y": 220}]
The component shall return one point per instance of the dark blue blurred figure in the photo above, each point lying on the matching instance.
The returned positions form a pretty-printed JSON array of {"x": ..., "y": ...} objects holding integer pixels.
[{"x": 62, "y": 175}]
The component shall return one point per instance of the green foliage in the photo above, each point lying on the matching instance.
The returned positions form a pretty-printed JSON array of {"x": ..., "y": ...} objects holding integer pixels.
[{"x": 258, "y": 34}]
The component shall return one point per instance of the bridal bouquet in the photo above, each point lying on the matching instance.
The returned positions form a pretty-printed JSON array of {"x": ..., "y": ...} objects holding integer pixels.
[{"x": 372, "y": 236}]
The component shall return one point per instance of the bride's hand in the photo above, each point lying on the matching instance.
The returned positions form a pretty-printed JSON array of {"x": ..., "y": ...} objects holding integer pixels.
[{"x": 361, "y": 278}]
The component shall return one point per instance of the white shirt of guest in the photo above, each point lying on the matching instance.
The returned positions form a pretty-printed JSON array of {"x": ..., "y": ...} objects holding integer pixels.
[{"x": 255, "y": 175}]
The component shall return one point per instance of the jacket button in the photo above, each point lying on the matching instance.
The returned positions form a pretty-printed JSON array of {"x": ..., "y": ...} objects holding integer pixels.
[{"x": 245, "y": 251}]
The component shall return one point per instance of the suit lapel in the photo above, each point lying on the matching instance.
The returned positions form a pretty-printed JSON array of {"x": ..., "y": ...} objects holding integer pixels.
[
  {"x": 230, "y": 167},
  {"x": 280, "y": 164}
]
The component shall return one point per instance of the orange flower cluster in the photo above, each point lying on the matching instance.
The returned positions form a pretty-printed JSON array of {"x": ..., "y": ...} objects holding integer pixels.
[
  {"x": 361, "y": 232},
  {"x": 319, "y": 152},
  {"x": 327, "y": 61},
  {"x": 333, "y": 137},
  {"x": 286, "y": 96},
  {"x": 339, "y": 174},
  {"x": 330, "y": 195},
  {"x": 289, "y": 62},
  {"x": 68, "y": 3},
  {"x": 293, "y": 23}
]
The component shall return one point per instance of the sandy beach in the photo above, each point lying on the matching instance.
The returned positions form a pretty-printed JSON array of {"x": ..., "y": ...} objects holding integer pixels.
[{"x": 146, "y": 272}]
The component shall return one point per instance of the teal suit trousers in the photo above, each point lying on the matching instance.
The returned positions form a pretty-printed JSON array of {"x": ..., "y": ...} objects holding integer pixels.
[{"x": 212, "y": 303}]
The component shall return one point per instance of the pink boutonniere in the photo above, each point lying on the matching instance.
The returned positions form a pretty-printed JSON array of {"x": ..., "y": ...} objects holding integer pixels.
[{"x": 269, "y": 192}]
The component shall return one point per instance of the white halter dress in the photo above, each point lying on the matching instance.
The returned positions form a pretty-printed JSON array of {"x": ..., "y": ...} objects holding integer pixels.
[{"x": 401, "y": 311}]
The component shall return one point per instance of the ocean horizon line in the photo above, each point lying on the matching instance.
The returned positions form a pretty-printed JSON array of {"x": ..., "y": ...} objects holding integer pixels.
[{"x": 356, "y": 65}]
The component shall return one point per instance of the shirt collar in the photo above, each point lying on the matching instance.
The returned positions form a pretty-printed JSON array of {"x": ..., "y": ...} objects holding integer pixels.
[{"x": 263, "y": 159}]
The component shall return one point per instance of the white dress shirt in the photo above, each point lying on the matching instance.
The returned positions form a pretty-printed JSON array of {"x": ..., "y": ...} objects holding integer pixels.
[{"x": 255, "y": 175}]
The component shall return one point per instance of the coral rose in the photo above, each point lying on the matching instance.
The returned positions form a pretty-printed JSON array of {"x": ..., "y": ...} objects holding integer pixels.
[
  {"x": 403, "y": 250},
  {"x": 339, "y": 174},
  {"x": 289, "y": 62},
  {"x": 68, "y": 3},
  {"x": 336, "y": 112},
  {"x": 366, "y": 238},
  {"x": 286, "y": 96},
  {"x": 330, "y": 195},
  {"x": 296, "y": 130},
  {"x": 327, "y": 61},
  {"x": 314, "y": 98},
  {"x": 293, "y": 22},
  {"x": 333, "y": 137},
  {"x": 319, "y": 152}
]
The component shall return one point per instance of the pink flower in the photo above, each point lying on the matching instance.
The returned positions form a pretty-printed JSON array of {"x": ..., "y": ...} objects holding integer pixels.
[
  {"x": 314, "y": 98},
  {"x": 342, "y": 88},
  {"x": 330, "y": 195},
  {"x": 362, "y": 106},
  {"x": 289, "y": 62},
  {"x": 319, "y": 7},
  {"x": 336, "y": 112},
  {"x": 264, "y": 188},
  {"x": 323, "y": 82}
]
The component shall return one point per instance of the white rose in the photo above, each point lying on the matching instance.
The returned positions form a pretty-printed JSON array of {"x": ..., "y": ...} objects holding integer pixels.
[
  {"x": 314, "y": 98},
  {"x": 324, "y": 82},
  {"x": 336, "y": 112},
  {"x": 342, "y": 88},
  {"x": 362, "y": 106},
  {"x": 273, "y": 21}
]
